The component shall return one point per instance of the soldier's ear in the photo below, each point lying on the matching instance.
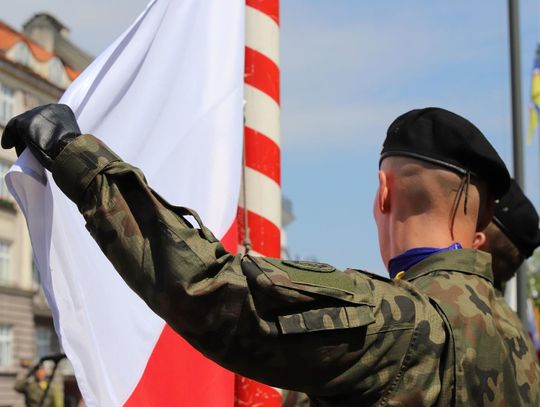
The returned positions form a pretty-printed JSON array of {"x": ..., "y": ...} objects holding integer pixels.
[
  {"x": 479, "y": 240},
  {"x": 383, "y": 194}
]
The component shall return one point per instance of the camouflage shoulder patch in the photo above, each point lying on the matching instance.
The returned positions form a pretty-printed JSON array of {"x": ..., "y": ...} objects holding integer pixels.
[
  {"x": 319, "y": 276},
  {"x": 309, "y": 266},
  {"x": 343, "y": 301}
]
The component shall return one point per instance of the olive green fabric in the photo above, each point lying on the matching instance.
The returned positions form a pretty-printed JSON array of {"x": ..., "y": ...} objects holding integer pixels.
[
  {"x": 494, "y": 355},
  {"x": 345, "y": 338},
  {"x": 33, "y": 392},
  {"x": 77, "y": 177}
]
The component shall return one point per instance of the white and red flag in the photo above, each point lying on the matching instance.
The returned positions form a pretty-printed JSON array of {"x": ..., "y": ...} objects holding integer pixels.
[{"x": 167, "y": 97}]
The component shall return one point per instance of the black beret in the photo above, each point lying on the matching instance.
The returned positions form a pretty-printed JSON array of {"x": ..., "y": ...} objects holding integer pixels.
[
  {"x": 516, "y": 217},
  {"x": 449, "y": 140}
]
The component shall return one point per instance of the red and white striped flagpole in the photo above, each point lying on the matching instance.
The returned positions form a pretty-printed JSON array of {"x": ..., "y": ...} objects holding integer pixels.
[
  {"x": 259, "y": 214},
  {"x": 260, "y": 203}
]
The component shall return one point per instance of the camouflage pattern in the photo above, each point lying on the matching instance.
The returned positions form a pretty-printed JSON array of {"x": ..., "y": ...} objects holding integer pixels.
[
  {"x": 33, "y": 392},
  {"x": 494, "y": 355},
  {"x": 345, "y": 338}
]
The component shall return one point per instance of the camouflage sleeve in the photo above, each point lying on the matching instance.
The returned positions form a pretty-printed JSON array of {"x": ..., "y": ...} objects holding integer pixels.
[
  {"x": 21, "y": 385},
  {"x": 295, "y": 325}
]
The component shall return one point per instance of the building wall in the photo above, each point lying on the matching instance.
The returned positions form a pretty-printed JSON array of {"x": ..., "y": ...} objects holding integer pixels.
[
  {"x": 25, "y": 319},
  {"x": 17, "y": 294},
  {"x": 16, "y": 311}
]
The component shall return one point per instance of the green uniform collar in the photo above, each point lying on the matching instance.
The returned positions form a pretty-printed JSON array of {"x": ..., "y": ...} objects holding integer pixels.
[{"x": 467, "y": 261}]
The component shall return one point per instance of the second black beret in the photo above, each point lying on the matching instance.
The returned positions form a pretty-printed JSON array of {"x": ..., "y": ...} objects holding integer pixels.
[{"x": 517, "y": 218}]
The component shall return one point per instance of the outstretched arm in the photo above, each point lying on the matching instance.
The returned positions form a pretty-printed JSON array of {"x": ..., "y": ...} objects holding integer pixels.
[
  {"x": 291, "y": 324},
  {"x": 294, "y": 325}
]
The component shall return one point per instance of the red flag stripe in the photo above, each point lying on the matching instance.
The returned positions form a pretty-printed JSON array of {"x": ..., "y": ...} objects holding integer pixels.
[
  {"x": 174, "y": 368},
  {"x": 184, "y": 366},
  {"x": 262, "y": 73},
  {"x": 262, "y": 154},
  {"x": 257, "y": 394},
  {"x": 268, "y": 7}
]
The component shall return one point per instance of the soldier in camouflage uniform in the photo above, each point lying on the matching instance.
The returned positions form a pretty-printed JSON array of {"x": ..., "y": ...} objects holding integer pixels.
[
  {"x": 33, "y": 388},
  {"x": 432, "y": 336},
  {"x": 512, "y": 236}
]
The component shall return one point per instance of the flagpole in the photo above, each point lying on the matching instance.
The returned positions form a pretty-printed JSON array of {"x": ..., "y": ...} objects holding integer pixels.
[
  {"x": 259, "y": 214},
  {"x": 517, "y": 137},
  {"x": 260, "y": 207}
]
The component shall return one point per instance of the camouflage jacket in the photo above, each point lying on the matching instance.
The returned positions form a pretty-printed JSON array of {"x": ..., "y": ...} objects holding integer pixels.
[
  {"x": 33, "y": 393},
  {"x": 495, "y": 362},
  {"x": 345, "y": 338}
]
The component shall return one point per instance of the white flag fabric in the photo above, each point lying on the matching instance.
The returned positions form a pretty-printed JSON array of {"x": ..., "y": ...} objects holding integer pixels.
[{"x": 167, "y": 97}]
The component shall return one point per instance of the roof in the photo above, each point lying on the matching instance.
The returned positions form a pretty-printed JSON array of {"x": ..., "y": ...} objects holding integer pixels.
[
  {"x": 9, "y": 37},
  {"x": 71, "y": 73},
  {"x": 50, "y": 19}
]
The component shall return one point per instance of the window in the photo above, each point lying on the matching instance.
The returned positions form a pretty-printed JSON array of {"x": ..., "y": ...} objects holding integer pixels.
[
  {"x": 56, "y": 72},
  {"x": 5, "y": 266},
  {"x": 30, "y": 101},
  {"x": 4, "y": 193},
  {"x": 7, "y": 100},
  {"x": 22, "y": 54},
  {"x": 46, "y": 341},
  {"x": 6, "y": 345}
]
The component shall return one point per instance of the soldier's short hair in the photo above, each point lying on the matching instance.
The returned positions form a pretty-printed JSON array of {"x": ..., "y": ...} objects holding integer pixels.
[{"x": 506, "y": 257}]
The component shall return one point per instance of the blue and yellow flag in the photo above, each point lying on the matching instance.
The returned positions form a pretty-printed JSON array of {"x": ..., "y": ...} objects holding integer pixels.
[{"x": 534, "y": 107}]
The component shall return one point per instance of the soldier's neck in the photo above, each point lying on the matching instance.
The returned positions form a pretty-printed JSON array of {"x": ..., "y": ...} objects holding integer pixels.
[{"x": 423, "y": 231}]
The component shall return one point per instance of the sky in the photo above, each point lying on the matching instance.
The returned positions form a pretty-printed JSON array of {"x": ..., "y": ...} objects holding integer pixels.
[{"x": 349, "y": 68}]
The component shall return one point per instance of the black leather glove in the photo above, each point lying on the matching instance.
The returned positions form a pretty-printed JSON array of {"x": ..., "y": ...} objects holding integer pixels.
[{"x": 45, "y": 130}]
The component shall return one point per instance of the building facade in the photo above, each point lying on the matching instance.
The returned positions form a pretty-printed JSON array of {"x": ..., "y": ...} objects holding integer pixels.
[{"x": 36, "y": 65}]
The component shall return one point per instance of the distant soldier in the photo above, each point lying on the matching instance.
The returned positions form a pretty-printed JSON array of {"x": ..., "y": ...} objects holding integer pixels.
[
  {"x": 512, "y": 236},
  {"x": 34, "y": 389},
  {"x": 433, "y": 335}
]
